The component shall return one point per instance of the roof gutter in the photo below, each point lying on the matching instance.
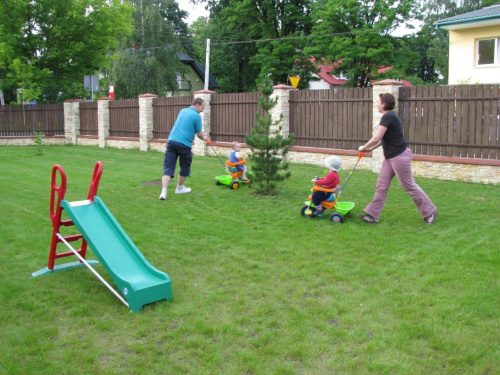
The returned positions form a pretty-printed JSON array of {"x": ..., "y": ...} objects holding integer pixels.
[
  {"x": 470, "y": 20},
  {"x": 441, "y": 35}
]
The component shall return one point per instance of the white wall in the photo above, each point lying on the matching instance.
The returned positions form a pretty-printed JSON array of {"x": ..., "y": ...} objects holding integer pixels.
[{"x": 463, "y": 68}]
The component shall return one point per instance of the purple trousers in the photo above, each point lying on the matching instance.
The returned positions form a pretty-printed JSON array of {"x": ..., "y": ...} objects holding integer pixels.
[{"x": 399, "y": 166}]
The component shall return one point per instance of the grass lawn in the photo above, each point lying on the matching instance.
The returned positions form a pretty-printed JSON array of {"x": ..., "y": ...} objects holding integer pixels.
[{"x": 258, "y": 289}]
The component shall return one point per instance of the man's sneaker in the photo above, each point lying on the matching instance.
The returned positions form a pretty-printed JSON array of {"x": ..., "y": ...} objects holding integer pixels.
[
  {"x": 431, "y": 218},
  {"x": 182, "y": 190},
  {"x": 368, "y": 218},
  {"x": 163, "y": 196}
]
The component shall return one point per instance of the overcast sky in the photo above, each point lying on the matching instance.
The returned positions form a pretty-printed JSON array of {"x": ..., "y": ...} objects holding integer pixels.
[{"x": 195, "y": 11}]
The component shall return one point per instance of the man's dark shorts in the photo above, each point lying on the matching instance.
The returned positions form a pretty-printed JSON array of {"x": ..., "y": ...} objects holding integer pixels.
[{"x": 183, "y": 153}]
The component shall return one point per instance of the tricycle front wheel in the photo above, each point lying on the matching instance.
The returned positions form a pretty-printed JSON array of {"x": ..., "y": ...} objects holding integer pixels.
[{"x": 337, "y": 218}]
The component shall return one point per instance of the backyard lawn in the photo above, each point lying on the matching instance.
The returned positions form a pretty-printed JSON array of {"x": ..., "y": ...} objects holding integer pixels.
[{"x": 257, "y": 288}]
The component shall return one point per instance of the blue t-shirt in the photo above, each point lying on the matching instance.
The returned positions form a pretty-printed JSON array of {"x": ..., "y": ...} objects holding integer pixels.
[{"x": 186, "y": 126}]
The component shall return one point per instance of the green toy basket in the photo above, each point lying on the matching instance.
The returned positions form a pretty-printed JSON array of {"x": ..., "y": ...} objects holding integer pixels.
[
  {"x": 224, "y": 180},
  {"x": 344, "y": 207}
]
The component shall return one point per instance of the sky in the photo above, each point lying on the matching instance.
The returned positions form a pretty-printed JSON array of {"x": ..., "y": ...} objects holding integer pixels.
[{"x": 195, "y": 11}]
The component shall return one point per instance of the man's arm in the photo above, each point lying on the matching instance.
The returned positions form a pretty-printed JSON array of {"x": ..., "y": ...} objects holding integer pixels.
[{"x": 202, "y": 135}]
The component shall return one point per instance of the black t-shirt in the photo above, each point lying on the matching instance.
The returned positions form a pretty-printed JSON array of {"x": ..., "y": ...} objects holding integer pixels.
[{"x": 393, "y": 141}]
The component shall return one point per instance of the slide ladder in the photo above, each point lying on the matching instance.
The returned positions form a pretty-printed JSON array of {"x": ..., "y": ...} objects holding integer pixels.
[{"x": 57, "y": 194}]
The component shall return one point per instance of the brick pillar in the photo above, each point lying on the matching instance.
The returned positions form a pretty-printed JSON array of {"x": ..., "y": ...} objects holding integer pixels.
[
  {"x": 386, "y": 86},
  {"x": 200, "y": 147},
  {"x": 145, "y": 120},
  {"x": 282, "y": 94},
  {"x": 71, "y": 121},
  {"x": 103, "y": 120}
]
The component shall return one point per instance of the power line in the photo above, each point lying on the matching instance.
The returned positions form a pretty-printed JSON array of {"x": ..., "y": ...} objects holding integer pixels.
[
  {"x": 264, "y": 40},
  {"x": 286, "y": 38}
]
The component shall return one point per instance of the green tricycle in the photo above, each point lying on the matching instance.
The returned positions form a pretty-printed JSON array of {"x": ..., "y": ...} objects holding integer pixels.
[{"x": 233, "y": 177}]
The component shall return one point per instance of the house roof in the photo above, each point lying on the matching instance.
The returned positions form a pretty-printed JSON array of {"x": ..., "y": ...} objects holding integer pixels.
[
  {"x": 324, "y": 74},
  {"x": 489, "y": 16},
  {"x": 325, "y": 70},
  {"x": 200, "y": 71}
]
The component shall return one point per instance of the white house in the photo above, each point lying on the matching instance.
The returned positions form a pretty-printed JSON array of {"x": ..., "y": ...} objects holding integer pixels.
[{"x": 474, "y": 46}]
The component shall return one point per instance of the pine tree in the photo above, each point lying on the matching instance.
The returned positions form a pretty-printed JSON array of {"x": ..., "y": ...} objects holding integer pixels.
[{"x": 268, "y": 146}]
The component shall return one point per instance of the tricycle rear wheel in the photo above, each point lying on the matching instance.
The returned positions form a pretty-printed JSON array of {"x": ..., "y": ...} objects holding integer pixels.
[{"x": 307, "y": 211}]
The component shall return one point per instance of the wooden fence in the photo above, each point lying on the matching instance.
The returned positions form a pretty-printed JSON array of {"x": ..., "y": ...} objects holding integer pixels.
[
  {"x": 24, "y": 120},
  {"x": 450, "y": 121},
  {"x": 124, "y": 118},
  {"x": 453, "y": 121},
  {"x": 88, "y": 118},
  {"x": 233, "y": 116},
  {"x": 165, "y": 111},
  {"x": 339, "y": 119}
]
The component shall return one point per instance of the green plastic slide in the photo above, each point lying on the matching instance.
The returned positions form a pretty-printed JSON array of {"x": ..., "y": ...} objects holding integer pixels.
[{"x": 138, "y": 281}]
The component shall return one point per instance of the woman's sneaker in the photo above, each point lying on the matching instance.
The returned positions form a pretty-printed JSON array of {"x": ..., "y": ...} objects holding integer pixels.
[
  {"x": 431, "y": 218},
  {"x": 368, "y": 218}
]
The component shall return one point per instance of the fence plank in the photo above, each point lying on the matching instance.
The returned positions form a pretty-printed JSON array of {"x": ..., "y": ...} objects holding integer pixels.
[
  {"x": 495, "y": 124},
  {"x": 430, "y": 121},
  {"x": 439, "y": 119}
]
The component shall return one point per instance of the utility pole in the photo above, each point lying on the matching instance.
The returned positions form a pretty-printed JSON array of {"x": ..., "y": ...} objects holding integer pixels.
[{"x": 207, "y": 64}]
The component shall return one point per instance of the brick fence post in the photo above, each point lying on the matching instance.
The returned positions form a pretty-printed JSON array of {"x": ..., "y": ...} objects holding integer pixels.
[
  {"x": 386, "y": 86},
  {"x": 103, "y": 120},
  {"x": 200, "y": 148},
  {"x": 71, "y": 121},
  {"x": 282, "y": 94},
  {"x": 145, "y": 120}
]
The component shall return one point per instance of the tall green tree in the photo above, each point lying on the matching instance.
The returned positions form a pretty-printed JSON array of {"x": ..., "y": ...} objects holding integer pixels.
[
  {"x": 269, "y": 147},
  {"x": 48, "y": 46},
  {"x": 229, "y": 61},
  {"x": 421, "y": 70},
  {"x": 357, "y": 35},
  {"x": 253, "y": 35},
  {"x": 149, "y": 59}
]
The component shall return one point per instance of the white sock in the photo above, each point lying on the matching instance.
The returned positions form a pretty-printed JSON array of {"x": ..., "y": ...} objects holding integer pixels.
[{"x": 163, "y": 191}]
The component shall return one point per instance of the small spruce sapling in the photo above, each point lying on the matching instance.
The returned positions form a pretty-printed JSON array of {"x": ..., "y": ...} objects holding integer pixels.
[
  {"x": 267, "y": 144},
  {"x": 39, "y": 143}
]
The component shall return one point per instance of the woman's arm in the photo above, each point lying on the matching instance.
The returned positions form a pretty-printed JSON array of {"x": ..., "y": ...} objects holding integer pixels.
[{"x": 375, "y": 141}]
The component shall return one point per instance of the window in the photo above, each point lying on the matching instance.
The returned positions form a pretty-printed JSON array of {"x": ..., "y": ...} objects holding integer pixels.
[{"x": 488, "y": 51}]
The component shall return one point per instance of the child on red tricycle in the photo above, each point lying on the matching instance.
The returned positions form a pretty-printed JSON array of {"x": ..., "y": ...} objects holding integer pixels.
[{"x": 325, "y": 192}]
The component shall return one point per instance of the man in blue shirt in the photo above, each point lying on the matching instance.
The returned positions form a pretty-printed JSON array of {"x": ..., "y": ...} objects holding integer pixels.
[{"x": 180, "y": 141}]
